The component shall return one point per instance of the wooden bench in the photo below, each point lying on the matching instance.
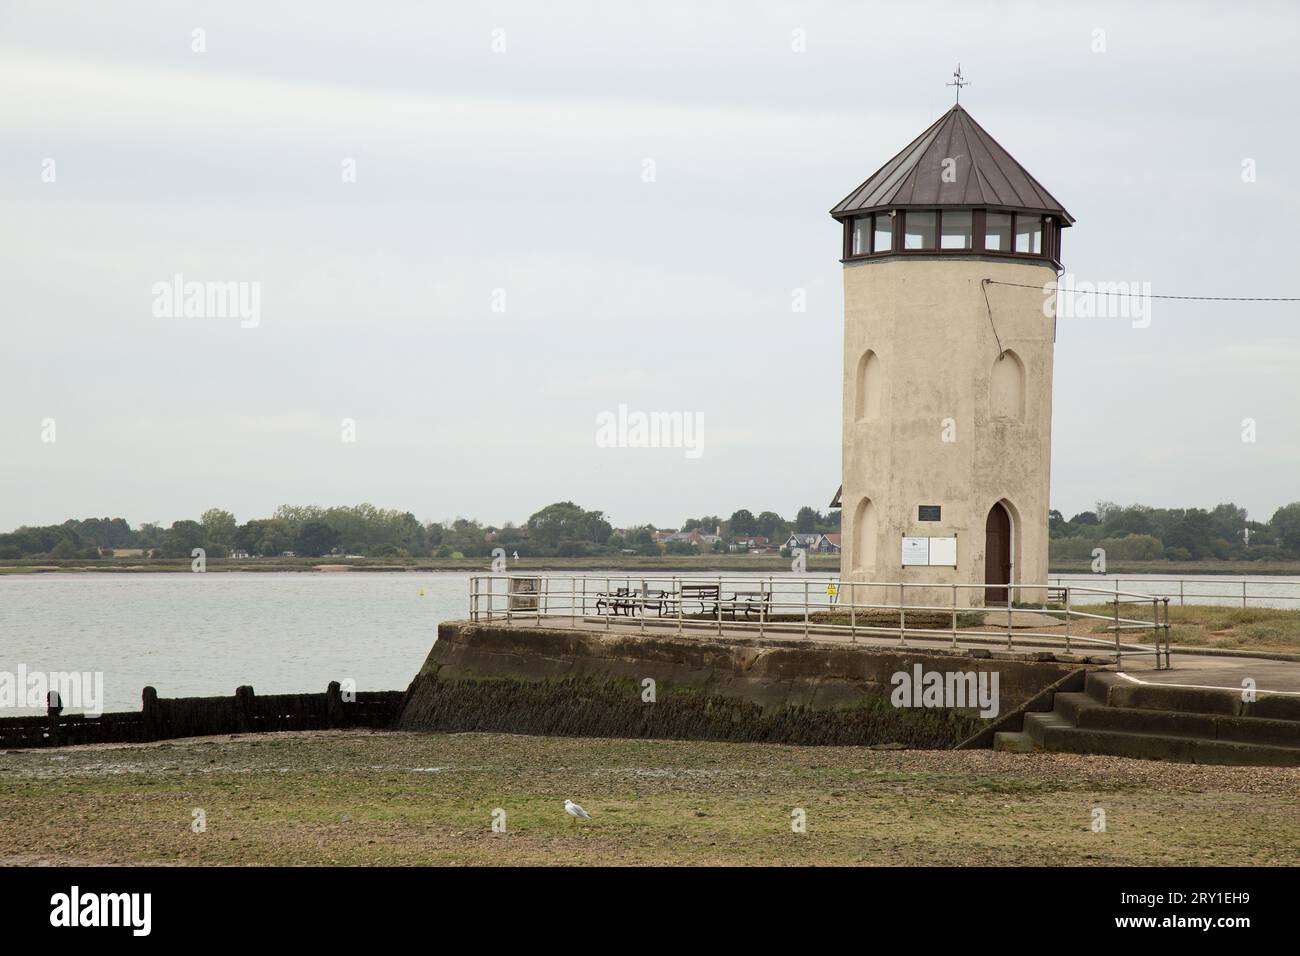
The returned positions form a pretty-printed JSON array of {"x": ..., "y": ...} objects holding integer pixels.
[
  {"x": 758, "y": 603},
  {"x": 706, "y": 595},
  {"x": 632, "y": 600},
  {"x": 616, "y": 600}
]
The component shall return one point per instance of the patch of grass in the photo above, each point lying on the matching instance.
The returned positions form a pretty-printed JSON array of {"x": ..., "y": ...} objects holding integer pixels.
[
  {"x": 1234, "y": 628},
  {"x": 931, "y": 620},
  {"x": 1251, "y": 569}
]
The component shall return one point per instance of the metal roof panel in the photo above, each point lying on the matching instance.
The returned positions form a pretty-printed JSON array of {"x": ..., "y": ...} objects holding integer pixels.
[{"x": 986, "y": 174}]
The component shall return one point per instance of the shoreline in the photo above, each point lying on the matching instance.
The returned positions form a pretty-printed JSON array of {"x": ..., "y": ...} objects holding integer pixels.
[{"x": 826, "y": 564}]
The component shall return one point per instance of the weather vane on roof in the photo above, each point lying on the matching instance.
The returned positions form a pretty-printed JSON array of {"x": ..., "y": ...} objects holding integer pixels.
[{"x": 958, "y": 81}]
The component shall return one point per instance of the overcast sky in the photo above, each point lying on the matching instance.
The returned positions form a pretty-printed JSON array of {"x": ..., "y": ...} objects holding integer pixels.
[{"x": 523, "y": 169}]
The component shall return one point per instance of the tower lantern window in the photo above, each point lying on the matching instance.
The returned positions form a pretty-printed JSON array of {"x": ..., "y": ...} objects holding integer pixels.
[
  {"x": 1029, "y": 234},
  {"x": 956, "y": 229},
  {"x": 919, "y": 229},
  {"x": 997, "y": 232},
  {"x": 861, "y": 231},
  {"x": 882, "y": 239}
]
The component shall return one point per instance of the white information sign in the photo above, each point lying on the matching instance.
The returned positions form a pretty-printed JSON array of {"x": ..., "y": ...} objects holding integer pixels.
[
  {"x": 916, "y": 551},
  {"x": 943, "y": 552},
  {"x": 935, "y": 552}
]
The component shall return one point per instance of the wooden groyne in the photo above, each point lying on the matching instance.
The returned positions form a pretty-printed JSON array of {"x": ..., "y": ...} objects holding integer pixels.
[{"x": 163, "y": 718}]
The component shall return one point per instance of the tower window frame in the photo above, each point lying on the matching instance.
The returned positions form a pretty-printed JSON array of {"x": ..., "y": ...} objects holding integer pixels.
[
  {"x": 1004, "y": 223},
  {"x": 947, "y": 219},
  {"x": 886, "y": 232},
  {"x": 929, "y": 231},
  {"x": 863, "y": 233},
  {"x": 1033, "y": 235}
]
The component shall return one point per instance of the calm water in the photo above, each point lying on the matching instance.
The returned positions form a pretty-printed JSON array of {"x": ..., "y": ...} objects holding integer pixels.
[
  {"x": 204, "y": 634},
  {"x": 1273, "y": 591}
]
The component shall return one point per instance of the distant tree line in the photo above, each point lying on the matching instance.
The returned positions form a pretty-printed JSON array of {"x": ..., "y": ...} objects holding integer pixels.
[
  {"x": 563, "y": 529},
  {"x": 1141, "y": 533}
]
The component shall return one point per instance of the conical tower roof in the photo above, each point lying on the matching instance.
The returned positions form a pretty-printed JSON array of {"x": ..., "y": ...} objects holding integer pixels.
[{"x": 986, "y": 175}]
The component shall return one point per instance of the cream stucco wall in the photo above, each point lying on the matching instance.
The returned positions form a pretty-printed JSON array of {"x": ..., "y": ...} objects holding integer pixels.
[{"x": 933, "y": 438}]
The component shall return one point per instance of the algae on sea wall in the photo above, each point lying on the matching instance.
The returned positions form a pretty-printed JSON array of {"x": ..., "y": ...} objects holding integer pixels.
[{"x": 590, "y": 706}]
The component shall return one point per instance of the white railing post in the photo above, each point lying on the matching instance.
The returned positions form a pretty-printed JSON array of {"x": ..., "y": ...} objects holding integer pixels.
[
  {"x": 1009, "y": 603},
  {"x": 1119, "y": 654},
  {"x": 680, "y": 602},
  {"x": 1166, "y": 603},
  {"x": 902, "y": 613},
  {"x": 1158, "y": 626},
  {"x": 853, "y": 612},
  {"x": 718, "y": 606},
  {"x": 954, "y": 617},
  {"x": 1067, "y": 619},
  {"x": 805, "y": 607}
]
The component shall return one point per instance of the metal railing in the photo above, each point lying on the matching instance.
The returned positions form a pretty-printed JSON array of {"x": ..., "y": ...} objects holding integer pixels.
[
  {"x": 813, "y": 606},
  {"x": 1199, "y": 591}
]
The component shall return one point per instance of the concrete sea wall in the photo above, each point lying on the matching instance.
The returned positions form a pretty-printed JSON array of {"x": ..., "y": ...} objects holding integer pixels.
[{"x": 568, "y": 682}]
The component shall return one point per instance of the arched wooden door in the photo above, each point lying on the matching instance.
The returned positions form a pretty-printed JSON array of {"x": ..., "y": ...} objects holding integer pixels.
[{"x": 997, "y": 555}]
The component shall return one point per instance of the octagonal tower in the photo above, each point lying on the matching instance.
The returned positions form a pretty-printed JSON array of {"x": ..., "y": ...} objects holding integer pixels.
[{"x": 948, "y": 375}]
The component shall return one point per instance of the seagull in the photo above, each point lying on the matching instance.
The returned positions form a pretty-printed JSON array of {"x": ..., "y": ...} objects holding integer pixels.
[{"x": 573, "y": 810}]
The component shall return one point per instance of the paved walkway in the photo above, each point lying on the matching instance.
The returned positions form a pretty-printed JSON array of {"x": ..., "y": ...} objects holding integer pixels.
[{"x": 1190, "y": 669}]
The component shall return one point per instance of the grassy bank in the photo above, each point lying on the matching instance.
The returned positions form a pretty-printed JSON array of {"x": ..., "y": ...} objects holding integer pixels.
[
  {"x": 1248, "y": 569},
  {"x": 355, "y": 798},
  {"x": 1228, "y": 628}
]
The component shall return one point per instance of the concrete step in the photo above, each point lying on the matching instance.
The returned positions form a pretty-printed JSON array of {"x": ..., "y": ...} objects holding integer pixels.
[
  {"x": 1010, "y": 741},
  {"x": 1097, "y": 685},
  {"x": 1069, "y": 705},
  {"x": 1112, "y": 689},
  {"x": 1061, "y": 736},
  {"x": 1037, "y": 725},
  {"x": 1161, "y": 722},
  {"x": 1084, "y": 711}
]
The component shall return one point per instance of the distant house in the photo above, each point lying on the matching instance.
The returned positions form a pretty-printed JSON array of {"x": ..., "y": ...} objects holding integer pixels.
[
  {"x": 695, "y": 538},
  {"x": 816, "y": 543},
  {"x": 755, "y": 542},
  {"x": 806, "y": 541},
  {"x": 240, "y": 554}
]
